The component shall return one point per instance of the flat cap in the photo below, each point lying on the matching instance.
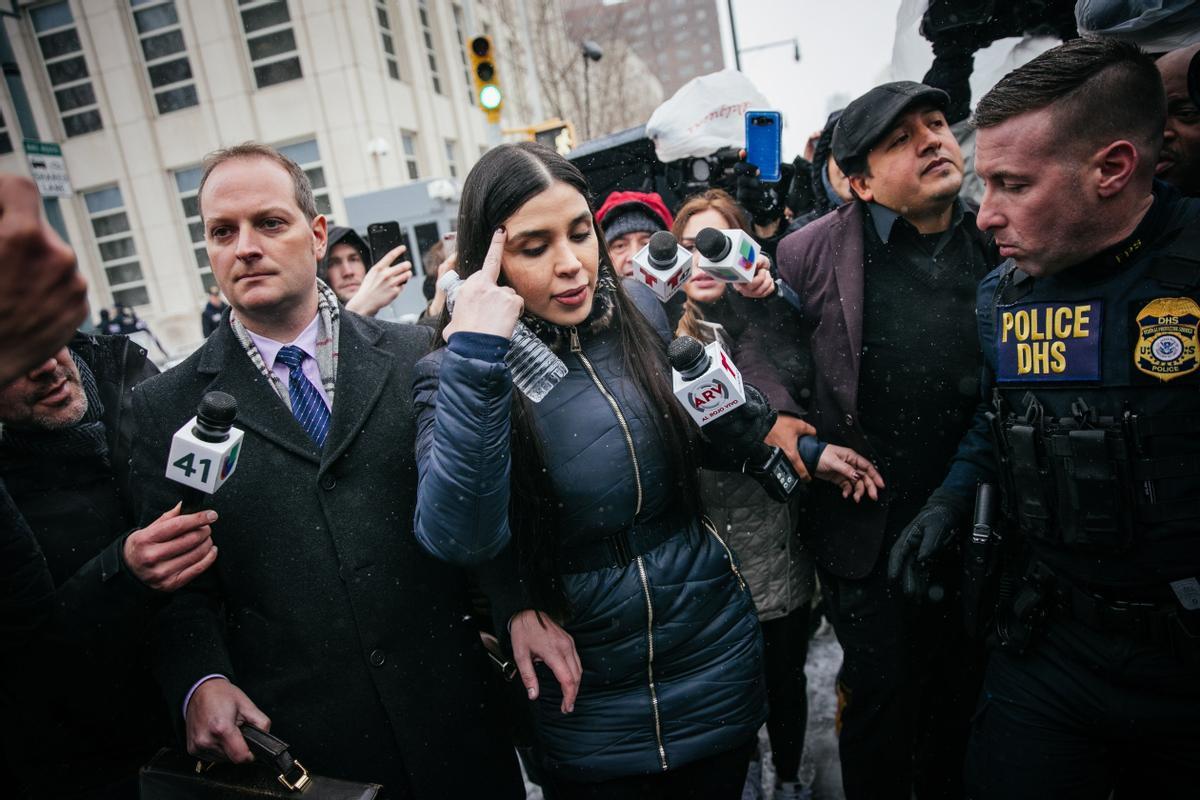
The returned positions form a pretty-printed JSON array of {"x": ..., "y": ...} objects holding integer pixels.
[{"x": 865, "y": 121}]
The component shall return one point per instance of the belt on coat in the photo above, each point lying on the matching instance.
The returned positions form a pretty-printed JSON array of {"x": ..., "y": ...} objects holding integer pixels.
[{"x": 620, "y": 548}]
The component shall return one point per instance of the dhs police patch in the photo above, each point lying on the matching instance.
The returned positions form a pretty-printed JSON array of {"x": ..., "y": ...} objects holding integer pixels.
[{"x": 1167, "y": 345}]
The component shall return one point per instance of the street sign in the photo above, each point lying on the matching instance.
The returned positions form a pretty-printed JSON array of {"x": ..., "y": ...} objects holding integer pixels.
[{"x": 47, "y": 168}]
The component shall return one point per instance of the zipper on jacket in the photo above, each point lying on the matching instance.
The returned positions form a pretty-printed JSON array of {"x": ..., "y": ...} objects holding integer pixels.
[
  {"x": 662, "y": 750},
  {"x": 732, "y": 565},
  {"x": 577, "y": 349}
]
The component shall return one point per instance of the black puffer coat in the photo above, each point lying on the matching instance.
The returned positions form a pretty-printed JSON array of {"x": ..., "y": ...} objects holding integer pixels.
[{"x": 669, "y": 642}]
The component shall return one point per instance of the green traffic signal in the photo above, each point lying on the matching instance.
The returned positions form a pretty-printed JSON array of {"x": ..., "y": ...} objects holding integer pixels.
[{"x": 490, "y": 97}]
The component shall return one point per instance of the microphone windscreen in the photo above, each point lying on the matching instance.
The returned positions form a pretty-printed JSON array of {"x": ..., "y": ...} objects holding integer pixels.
[
  {"x": 712, "y": 244},
  {"x": 663, "y": 248},
  {"x": 685, "y": 354},
  {"x": 218, "y": 409}
]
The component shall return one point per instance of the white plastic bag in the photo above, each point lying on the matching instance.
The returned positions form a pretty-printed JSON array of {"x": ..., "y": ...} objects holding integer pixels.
[{"x": 706, "y": 114}]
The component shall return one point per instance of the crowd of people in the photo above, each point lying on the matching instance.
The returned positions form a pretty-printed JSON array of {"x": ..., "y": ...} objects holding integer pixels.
[{"x": 419, "y": 577}]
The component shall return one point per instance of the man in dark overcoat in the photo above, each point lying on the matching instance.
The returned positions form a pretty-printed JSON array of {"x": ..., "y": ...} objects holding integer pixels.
[{"x": 321, "y": 618}]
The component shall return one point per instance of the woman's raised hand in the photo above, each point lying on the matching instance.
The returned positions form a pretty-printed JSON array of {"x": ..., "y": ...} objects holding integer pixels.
[
  {"x": 482, "y": 305},
  {"x": 535, "y": 637}
]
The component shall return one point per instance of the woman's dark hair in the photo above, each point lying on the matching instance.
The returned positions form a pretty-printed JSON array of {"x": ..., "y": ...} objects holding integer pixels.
[{"x": 502, "y": 181}]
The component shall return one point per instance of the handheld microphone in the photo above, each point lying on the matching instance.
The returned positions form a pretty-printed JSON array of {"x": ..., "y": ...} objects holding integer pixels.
[
  {"x": 709, "y": 386},
  {"x": 663, "y": 265},
  {"x": 704, "y": 379},
  {"x": 727, "y": 255},
  {"x": 204, "y": 452}
]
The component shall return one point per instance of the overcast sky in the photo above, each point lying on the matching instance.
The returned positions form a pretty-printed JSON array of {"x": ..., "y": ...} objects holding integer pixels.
[{"x": 845, "y": 48}]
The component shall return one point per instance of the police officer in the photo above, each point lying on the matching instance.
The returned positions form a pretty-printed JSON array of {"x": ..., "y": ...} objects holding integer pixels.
[{"x": 1092, "y": 395}]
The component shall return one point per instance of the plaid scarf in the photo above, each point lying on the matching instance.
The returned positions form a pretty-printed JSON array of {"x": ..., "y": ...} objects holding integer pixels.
[{"x": 327, "y": 345}]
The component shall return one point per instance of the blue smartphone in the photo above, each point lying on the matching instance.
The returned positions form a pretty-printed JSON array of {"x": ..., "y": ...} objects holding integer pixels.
[{"x": 764, "y": 132}]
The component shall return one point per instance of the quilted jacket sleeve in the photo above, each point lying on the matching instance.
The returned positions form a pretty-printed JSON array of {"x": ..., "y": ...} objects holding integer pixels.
[{"x": 463, "y": 401}]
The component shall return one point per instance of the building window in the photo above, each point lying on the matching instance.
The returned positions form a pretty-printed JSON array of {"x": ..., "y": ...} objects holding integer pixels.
[
  {"x": 5, "y": 139},
  {"x": 114, "y": 240},
  {"x": 460, "y": 31},
  {"x": 165, "y": 54},
  {"x": 270, "y": 40},
  {"x": 389, "y": 44},
  {"x": 187, "y": 182},
  {"x": 452, "y": 157},
  {"x": 408, "y": 140},
  {"x": 62, "y": 53},
  {"x": 430, "y": 50},
  {"x": 308, "y": 156}
]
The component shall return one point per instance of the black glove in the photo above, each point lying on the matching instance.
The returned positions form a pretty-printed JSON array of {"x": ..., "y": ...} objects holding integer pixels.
[
  {"x": 738, "y": 435},
  {"x": 935, "y": 527},
  {"x": 761, "y": 200}
]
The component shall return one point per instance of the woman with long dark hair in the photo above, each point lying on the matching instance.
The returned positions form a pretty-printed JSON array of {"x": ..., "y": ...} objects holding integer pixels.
[{"x": 582, "y": 511}]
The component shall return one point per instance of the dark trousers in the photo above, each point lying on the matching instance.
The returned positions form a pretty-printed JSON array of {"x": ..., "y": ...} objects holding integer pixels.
[
  {"x": 718, "y": 777},
  {"x": 907, "y": 685},
  {"x": 785, "y": 650},
  {"x": 1084, "y": 714}
]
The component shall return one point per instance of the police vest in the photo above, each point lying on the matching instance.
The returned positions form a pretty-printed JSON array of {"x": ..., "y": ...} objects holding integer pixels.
[{"x": 1096, "y": 410}]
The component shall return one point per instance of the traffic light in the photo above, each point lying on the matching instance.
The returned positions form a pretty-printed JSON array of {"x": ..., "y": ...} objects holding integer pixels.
[{"x": 486, "y": 77}]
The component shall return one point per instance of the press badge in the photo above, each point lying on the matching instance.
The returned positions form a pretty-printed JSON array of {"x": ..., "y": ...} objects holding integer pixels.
[
  {"x": 1049, "y": 342},
  {"x": 1167, "y": 343}
]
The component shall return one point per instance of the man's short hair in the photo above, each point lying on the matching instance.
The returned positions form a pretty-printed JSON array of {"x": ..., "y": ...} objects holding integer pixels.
[
  {"x": 300, "y": 183},
  {"x": 1102, "y": 90}
]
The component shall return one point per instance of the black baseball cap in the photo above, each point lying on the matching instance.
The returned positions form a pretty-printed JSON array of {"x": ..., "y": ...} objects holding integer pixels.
[{"x": 865, "y": 121}]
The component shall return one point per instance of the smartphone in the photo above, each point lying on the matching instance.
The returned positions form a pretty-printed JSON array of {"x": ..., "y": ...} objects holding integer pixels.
[
  {"x": 764, "y": 137},
  {"x": 382, "y": 237}
]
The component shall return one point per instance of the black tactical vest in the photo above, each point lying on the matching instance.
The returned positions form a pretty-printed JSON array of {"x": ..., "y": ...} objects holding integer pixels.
[{"x": 1096, "y": 410}]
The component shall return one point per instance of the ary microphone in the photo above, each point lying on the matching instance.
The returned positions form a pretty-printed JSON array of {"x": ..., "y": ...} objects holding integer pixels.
[
  {"x": 663, "y": 265},
  {"x": 708, "y": 385},
  {"x": 704, "y": 379},
  {"x": 204, "y": 452},
  {"x": 727, "y": 255}
]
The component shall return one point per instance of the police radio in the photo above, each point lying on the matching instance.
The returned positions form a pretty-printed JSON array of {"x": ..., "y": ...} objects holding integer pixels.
[
  {"x": 727, "y": 255},
  {"x": 663, "y": 265},
  {"x": 709, "y": 386},
  {"x": 204, "y": 452}
]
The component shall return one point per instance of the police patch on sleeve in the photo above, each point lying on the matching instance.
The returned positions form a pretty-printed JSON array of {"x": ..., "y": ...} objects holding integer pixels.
[
  {"x": 1167, "y": 346},
  {"x": 1049, "y": 342}
]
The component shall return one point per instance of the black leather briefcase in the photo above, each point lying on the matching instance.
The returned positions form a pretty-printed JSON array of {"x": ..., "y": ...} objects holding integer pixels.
[{"x": 172, "y": 775}]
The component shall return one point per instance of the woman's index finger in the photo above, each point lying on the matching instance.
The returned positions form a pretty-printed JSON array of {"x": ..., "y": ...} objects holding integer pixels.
[{"x": 495, "y": 253}]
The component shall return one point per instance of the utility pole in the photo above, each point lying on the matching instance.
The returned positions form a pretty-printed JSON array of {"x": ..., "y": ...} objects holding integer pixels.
[{"x": 737, "y": 53}]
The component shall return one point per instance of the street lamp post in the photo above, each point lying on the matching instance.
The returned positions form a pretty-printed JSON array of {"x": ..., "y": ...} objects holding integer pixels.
[{"x": 591, "y": 52}]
